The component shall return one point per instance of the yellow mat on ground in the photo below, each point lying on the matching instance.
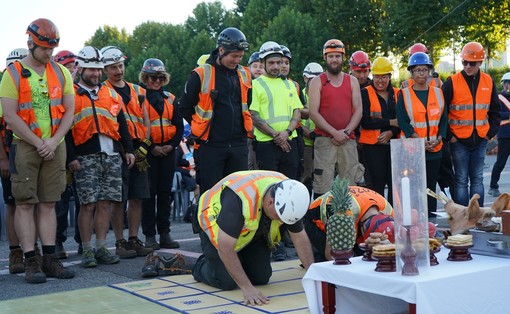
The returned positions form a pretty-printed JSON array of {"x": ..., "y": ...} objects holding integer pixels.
[{"x": 184, "y": 295}]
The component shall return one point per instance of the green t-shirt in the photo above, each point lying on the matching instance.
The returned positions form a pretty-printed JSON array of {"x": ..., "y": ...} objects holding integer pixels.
[
  {"x": 39, "y": 91},
  {"x": 275, "y": 100}
]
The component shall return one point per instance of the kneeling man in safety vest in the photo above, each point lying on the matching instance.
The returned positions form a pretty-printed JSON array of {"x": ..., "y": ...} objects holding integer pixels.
[{"x": 239, "y": 221}]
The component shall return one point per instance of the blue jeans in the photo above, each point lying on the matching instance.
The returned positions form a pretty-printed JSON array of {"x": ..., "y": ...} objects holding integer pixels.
[{"x": 468, "y": 164}]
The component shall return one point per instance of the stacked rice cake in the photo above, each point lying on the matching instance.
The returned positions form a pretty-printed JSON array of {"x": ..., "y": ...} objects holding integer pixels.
[
  {"x": 383, "y": 250},
  {"x": 460, "y": 240}
]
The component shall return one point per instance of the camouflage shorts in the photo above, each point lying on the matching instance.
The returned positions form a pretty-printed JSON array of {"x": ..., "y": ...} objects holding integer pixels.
[{"x": 99, "y": 179}]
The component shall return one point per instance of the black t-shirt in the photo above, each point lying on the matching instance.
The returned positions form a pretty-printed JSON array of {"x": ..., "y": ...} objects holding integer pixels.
[
  {"x": 231, "y": 220},
  {"x": 124, "y": 92}
]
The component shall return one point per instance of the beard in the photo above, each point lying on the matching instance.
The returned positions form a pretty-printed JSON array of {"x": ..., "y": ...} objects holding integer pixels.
[{"x": 333, "y": 70}]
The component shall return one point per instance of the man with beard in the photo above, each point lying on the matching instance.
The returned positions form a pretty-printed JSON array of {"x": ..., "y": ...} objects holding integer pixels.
[
  {"x": 336, "y": 109},
  {"x": 38, "y": 105},
  {"x": 93, "y": 154}
]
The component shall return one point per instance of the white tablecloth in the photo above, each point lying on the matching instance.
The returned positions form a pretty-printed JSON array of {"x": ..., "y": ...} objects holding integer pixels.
[{"x": 481, "y": 285}]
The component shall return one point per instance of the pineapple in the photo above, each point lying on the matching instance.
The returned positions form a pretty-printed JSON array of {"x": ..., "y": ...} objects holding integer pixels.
[{"x": 340, "y": 226}]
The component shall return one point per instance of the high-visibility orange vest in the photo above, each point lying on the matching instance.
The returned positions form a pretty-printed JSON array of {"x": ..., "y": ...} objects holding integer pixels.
[
  {"x": 370, "y": 136},
  {"x": 431, "y": 81},
  {"x": 361, "y": 200},
  {"x": 96, "y": 116},
  {"x": 506, "y": 103},
  {"x": 251, "y": 187},
  {"x": 56, "y": 83},
  {"x": 162, "y": 129},
  {"x": 133, "y": 111},
  {"x": 425, "y": 121},
  {"x": 204, "y": 110},
  {"x": 467, "y": 114}
]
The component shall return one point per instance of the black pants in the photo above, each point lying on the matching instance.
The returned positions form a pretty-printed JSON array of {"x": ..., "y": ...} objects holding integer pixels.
[
  {"x": 432, "y": 169},
  {"x": 499, "y": 165},
  {"x": 255, "y": 260},
  {"x": 377, "y": 162},
  {"x": 62, "y": 212},
  {"x": 156, "y": 209},
  {"x": 446, "y": 177},
  {"x": 218, "y": 162},
  {"x": 272, "y": 157}
]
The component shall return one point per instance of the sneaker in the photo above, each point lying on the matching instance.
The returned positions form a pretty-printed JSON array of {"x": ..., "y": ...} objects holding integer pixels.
[
  {"x": 151, "y": 265},
  {"x": 60, "y": 251},
  {"x": 280, "y": 254},
  {"x": 103, "y": 256},
  {"x": 33, "y": 272},
  {"x": 150, "y": 242},
  {"x": 16, "y": 265},
  {"x": 494, "y": 192},
  {"x": 87, "y": 259},
  {"x": 173, "y": 266},
  {"x": 137, "y": 246},
  {"x": 166, "y": 242},
  {"x": 52, "y": 267},
  {"x": 123, "y": 251}
]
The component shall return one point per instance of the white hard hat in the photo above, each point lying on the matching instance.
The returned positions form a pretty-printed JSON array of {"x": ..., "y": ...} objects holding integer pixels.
[
  {"x": 16, "y": 54},
  {"x": 90, "y": 57},
  {"x": 506, "y": 77},
  {"x": 268, "y": 48},
  {"x": 312, "y": 69},
  {"x": 291, "y": 201},
  {"x": 111, "y": 55}
]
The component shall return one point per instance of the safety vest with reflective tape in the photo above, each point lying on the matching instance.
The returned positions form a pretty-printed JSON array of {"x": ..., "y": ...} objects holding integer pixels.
[
  {"x": 162, "y": 129},
  {"x": 425, "y": 121},
  {"x": 96, "y": 116},
  {"x": 133, "y": 111},
  {"x": 431, "y": 81},
  {"x": 370, "y": 136},
  {"x": 204, "y": 109},
  {"x": 56, "y": 83},
  {"x": 467, "y": 114},
  {"x": 505, "y": 102},
  {"x": 361, "y": 200},
  {"x": 250, "y": 186},
  {"x": 307, "y": 123}
]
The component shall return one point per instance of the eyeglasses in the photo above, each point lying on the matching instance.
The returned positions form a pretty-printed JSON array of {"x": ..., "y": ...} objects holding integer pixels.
[
  {"x": 161, "y": 78},
  {"x": 50, "y": 41},
  {"x": 420, "y": 71},
  {"x": 471, "y": 63},
  {"x": 42, "y": 87}
]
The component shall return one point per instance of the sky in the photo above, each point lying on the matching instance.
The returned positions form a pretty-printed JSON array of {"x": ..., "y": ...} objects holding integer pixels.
[{"x": 77, "y": 21}]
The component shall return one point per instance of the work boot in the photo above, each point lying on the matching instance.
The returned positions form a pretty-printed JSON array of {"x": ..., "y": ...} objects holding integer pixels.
[
  {"x": 103, "y": 256},
  {"x": 151, "y": 265},
  {"x": 137, "y": 246},
  {"x": 52, "y": 267},
  {"x": 87, "y": 259},
  {"x": 16, "y": 265},
  {"x": 173, "y": 266},
  {"x": 60, "y": 251},
  {"x": 123, "y": 251},
  {"x": 166, "y": 242},
  {"x": 279, "y": 254},
  {"x": 150, "y": 242},
  {"x": 33, "y": 272}
]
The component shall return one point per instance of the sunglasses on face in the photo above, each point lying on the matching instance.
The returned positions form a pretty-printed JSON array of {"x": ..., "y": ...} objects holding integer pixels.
[
  {"x": 471, "y": 63},
  {"x": 154, "y": 78}
]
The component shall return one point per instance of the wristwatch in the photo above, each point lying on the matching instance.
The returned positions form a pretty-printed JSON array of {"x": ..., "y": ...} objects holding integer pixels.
[
  {"x": 289, "y": 131},
  {"x": 346, "y": 132}
]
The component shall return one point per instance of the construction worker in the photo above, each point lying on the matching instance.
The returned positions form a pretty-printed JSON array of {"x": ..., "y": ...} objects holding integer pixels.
[
  {"x": 359, "y": 64},
  {"x": 473, "y": 119},
  {"x": 433, "y": 78},
  {"x": 215, "y": 103},
  {"x": 378, "y": 126},
  {"x": 421, "y": 114},
  {"x": 38, "y": 105},
  {"x": 275, "y": 109},
  {"x": 256, "y": 68},
  {"x": 67, "y": 59},
  {"x": 135, "y": 181},
  {"x": 93, "y": 154},
  {"x": 15, "y": 252},
  {"x": 336, "y": 109},
  {"x": 239, "y": 220},
  {"x": 166, "y": 133},
  {"x": 370, "y": 212}
]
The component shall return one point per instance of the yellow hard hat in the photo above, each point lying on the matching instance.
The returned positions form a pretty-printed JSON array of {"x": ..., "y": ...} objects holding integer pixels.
[{"x": 382, "y": 65}]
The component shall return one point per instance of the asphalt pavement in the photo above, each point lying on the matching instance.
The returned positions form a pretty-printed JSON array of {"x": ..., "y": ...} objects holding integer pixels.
[{"x": 14, "y": 286}]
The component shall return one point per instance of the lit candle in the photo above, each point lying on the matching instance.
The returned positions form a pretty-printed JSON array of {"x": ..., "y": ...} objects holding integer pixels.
[{"x": 406, "y": 202}]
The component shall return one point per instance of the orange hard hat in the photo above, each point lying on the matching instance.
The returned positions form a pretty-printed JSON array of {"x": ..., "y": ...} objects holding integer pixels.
[
  {"x": 418, "y": 48},
  {"x": 472, "y": 51},
  {"x": 44, "y": 33},
  {"x": 333, "y": 45}
]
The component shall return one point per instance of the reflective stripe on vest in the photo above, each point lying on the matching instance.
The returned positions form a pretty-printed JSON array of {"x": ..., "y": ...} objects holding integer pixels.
[
  {"x": 465, "y": 113},
  {"x": 371, "y": 136},
  {"x": 273, "y": 118},
  {"x": 162, "y": 129},
  {"x": 425, "y": 125},
  {"x": 505, "y": 102}
]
